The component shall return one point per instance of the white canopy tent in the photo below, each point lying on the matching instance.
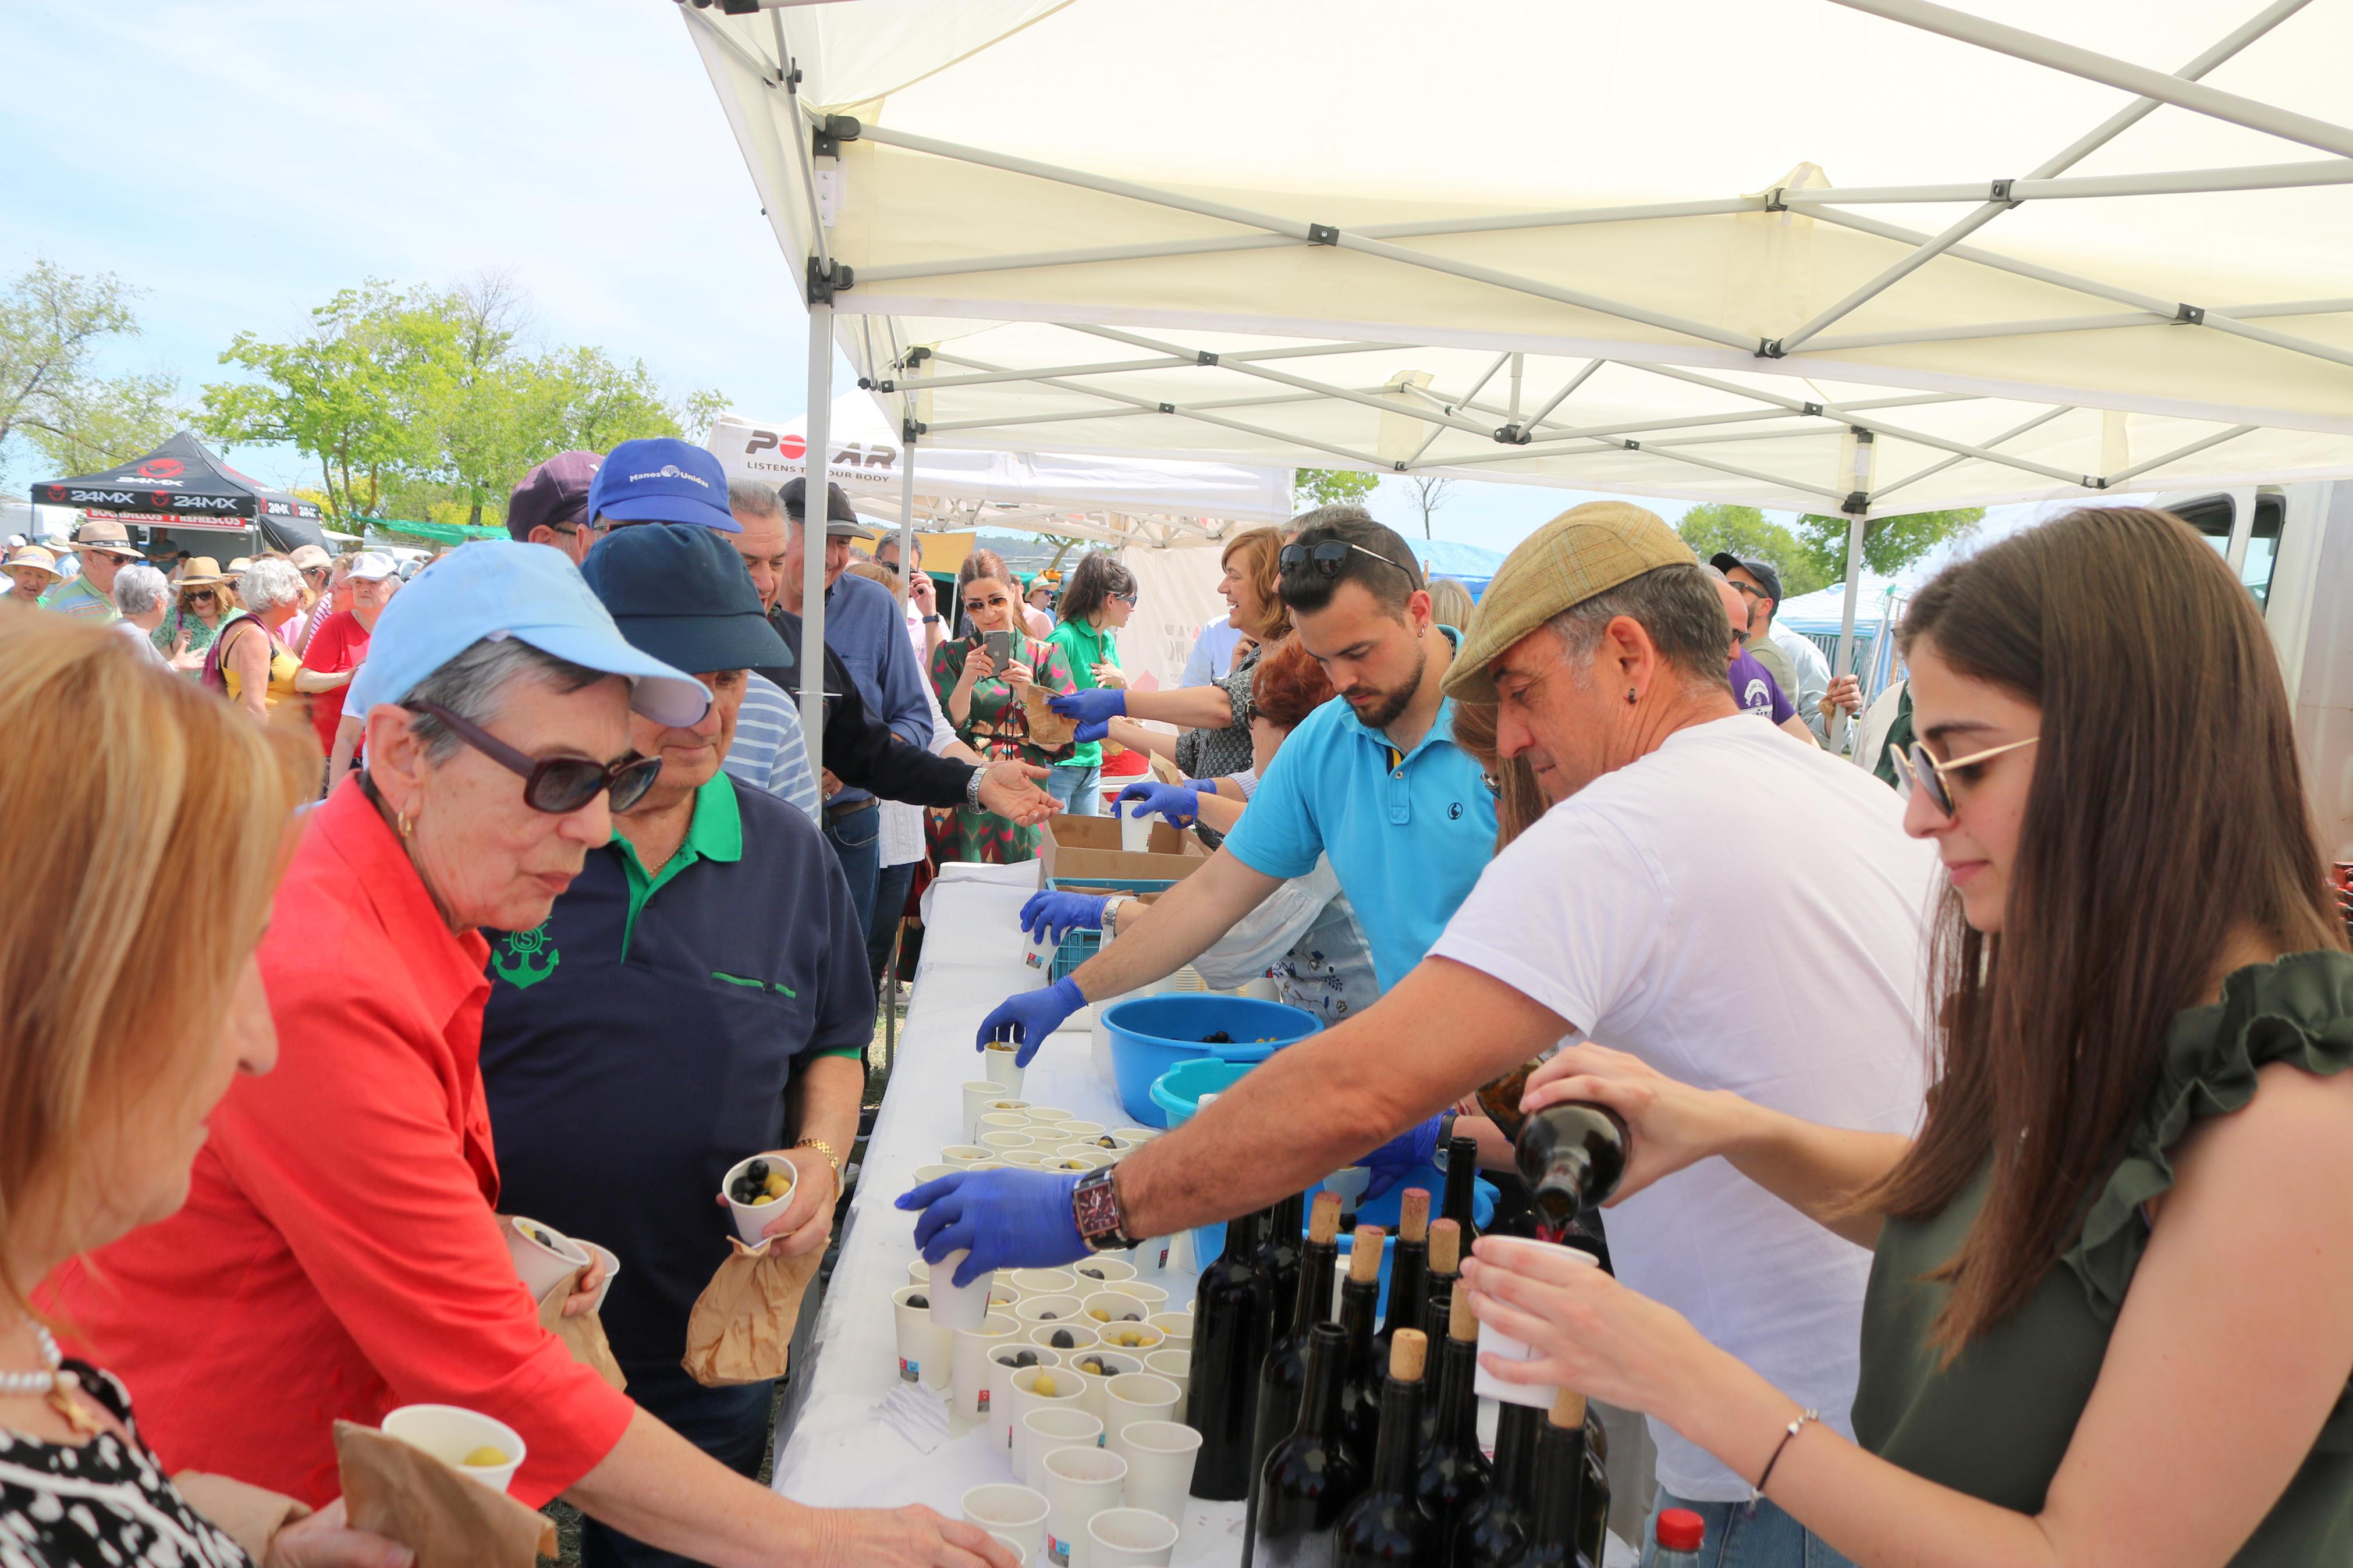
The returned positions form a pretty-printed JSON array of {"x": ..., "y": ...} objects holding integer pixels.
[
  {"x": 1870, "y": 256},
  {"x": 1116, "y": 500}
]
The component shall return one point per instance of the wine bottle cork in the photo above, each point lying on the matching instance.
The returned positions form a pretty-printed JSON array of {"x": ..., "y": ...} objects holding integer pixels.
[
  {"x": 1364, "y": 1258},
  {"x": 1460, "y": 1323},
  {"x": 1324, "y": 1220},
  {"x": 1445, "y": 1246},
  {"x": 1413, "y": 1216},
  {"x": 1407, "y": 1351},
  {"x": 1567, "y": 1406}
]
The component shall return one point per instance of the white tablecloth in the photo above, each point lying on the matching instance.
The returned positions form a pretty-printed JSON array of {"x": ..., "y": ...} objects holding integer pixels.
[{"x": 833, "y": 1449}]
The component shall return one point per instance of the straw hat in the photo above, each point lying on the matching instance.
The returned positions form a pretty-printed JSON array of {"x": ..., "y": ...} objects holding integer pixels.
[
  {"x": 204, "y": 571},
  {"x": 108, "y": 537},
  {"x": 1586, "y": 549},
  {"x": 32, "y": 555}
]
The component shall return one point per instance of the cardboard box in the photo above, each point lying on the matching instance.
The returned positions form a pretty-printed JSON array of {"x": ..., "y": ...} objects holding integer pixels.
[{"x": 1086, "y": 849}]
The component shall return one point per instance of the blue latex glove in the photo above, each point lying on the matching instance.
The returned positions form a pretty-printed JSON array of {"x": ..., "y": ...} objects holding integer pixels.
[
  {"x": 1093, "y": 710},
  {"x": 1409, "y": 1151},
  {"x": 1054, "y": 913},
  {"x": 1179, "y": 803},
  {"x": 1005, "y": 1219},
  {"x": 1029, "y": 1016}
]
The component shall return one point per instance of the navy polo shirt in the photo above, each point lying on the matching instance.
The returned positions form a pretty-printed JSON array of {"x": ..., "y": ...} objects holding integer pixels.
[{"x": 639, "y": 1044}]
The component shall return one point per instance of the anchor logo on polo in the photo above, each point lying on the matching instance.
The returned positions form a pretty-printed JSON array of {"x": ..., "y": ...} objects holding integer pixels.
[{"x": 520, "y": 964}]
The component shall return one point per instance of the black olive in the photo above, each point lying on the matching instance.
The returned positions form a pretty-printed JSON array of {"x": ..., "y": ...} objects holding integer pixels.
[
  {"x": 1026, "y": 1358},
  {"x": 1129, "y": 1318},
  {"x": 919, "y": 1300},
  {"x": 1062, "y": 1340},
  {"x": 1048, "y": 1317},
  {"x": 759, "y": 1171},
  {"x": 1092, "y": 1273}
]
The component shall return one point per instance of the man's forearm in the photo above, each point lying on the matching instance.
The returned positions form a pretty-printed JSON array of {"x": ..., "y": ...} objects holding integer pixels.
[
  {"x": 1185, "y": 922},
  {"x": 825, "y": 1107}
]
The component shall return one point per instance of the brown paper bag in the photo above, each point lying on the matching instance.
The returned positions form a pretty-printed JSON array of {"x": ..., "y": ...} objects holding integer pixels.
[
  {"x": 583, "y": 1336},
  {"x": 741, "y": 1327},
  {"x": 447, "y": 1520},
  {"x": 1048, "y": 729},
  {"x": 244, "y": 1512},
  {"x": 1163, "y": 770}
]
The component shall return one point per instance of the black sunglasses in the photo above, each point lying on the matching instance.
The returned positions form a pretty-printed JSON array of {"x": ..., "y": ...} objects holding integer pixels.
[
  {"x": 1325, "y": 559},
  {"x": 556, "y": 785},
  {"x": 1934, "y": 779}
]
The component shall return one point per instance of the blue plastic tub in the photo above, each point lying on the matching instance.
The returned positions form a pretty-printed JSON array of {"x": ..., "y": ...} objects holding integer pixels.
[
  {"x": 1177, "y": 1092},
  {"x": 1149, "y": 1034}
]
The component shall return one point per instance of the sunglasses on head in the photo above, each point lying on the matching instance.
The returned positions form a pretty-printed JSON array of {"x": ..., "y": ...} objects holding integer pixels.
[
  {"x": 1928, "y": 775},
  {"x": 1325, "y": 559},
  {"x": 555, "y": 784}
]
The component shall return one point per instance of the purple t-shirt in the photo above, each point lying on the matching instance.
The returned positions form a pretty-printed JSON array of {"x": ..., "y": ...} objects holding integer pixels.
[{"x": 1753, "y": 687}]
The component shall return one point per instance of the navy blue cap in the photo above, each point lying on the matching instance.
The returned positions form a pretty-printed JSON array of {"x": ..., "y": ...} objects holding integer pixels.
[
  {"x": 661, "y": 478},
  {"x": 1767, "y": 577},
  {"x": 680, "y": 593}
]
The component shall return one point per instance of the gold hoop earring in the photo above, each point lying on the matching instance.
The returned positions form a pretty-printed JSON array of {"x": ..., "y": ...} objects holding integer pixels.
[{"x": 402, "y": 822}]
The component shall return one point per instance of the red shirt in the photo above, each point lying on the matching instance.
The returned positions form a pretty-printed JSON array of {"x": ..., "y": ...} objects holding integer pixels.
[
  {"x": 341, "y": 643},
  {"x": 338, "y": 1255}
]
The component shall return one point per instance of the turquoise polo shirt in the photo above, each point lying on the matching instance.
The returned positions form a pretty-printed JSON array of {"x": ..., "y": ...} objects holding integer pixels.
[{"x": 1407, "y": 834}]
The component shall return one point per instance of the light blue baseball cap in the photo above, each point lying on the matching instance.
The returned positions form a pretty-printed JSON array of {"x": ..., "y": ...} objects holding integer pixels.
[{"x": 533, "y": 593}]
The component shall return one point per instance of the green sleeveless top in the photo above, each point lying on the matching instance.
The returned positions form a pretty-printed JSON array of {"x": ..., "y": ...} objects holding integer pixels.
[{"x": 1996, "y": 1423}]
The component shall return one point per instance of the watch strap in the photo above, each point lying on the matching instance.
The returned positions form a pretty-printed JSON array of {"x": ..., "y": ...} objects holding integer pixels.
[{"x": 1094, "y": 1208}]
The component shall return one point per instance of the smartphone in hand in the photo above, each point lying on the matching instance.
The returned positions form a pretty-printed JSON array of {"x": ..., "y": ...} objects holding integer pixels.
[{"x": 999, "y": 647}]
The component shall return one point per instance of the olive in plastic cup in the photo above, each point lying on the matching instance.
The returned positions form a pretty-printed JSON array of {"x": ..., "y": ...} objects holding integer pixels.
[
  {"x": 1105, "y": 1272},
  {"x": 922, "y": 1344},
  {"x": 1000, "y": 1063},
  {"x": 752, "y": 1218},
  {"x": 977, "y": 1095},
  {"x": 1159, "y": 1455},
  {"x": 1494, "y": 1342},
  {"x": 543, "y": 1255},
  {"x": 1175, "y": 1329},
  {"x": 453, "y": 1434},
  {"x": 997, "y": 1404},
  {"x": 1062, "y": 1389},
  {"x": 1154, "y": 1296},
  {"x": 956, "y": 1306},
  {"x": 1049, "y": 1309},
  {"x": 1114, "y": 1364},
  {"x": 1081, "y": 1337}
]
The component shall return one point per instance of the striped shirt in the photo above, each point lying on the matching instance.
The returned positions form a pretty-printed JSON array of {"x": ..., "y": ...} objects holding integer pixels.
[{"x": 768, "y": 751}]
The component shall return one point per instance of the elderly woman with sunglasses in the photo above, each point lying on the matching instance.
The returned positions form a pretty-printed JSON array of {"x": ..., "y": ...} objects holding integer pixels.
[
  {"x": 340, "y": 1253},
  {"x": 202, "y": 609}
]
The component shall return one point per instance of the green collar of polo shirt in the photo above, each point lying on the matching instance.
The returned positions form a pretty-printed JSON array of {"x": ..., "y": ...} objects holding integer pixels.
[{"x": 716, "y": 832}]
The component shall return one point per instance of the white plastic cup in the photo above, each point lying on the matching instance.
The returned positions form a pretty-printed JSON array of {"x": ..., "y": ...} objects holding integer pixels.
[
  {"x": 1080, "y": 1131},
  {"x": 956, "y": 1306},
  {"x": 1044, "y": 1430},
  {"x": 922, "y": 1344},
  {"x": 1092, "y": 1383},
  {"x": 978, "y": 1093},
  {"x": 1049, "y": 1309},
  {"x": 1133, "y": 1396},
  {"x": 1135, "y": 832},
  {"x": 1077, "y": 1157},
  {"x": 1078, "y": 1484},
  {"x": 1150, "y": 1256},
  {"x": 752, "y": 1218},
  {"x": 543, "y": 1265},
  {"x": 1028, "y": 1158},
  {"x": 1025, "y": 1398},
  {"x": 1103, "y": 1272},
  {"x": 962, "y": 1155},
  {"x": 1159, "y": 1455},
  {"x": 1130, "y": 1538},
  {"x": 1154, "y": 1296},
  {"x": 1129, "y": 1338},
  {"x": 1051, "y": 1114},
  {"x": 1494, "y": 1342},
  {"x": 450, "y": 1432},
  {"x": 1175, "y": 1329},
  {"x": 1081, "y": 1337},
  {"x": 1349, "y": 1182},
  {"x": 1040, "y": 1282},
  {"x": 1003, "y": 1140},
  {"x": 1020, "y": 1552},
  {"x": 1111, "y": 1306},
  {"x": 968, "y": 1363},
  {"x": 1000, "y": 1122},
  {"x": 612, "y": 1262},
  {"x": 997, "y": 1403},
  {"x": 1175, "y": 1365},
  {"x": 1017, "y": 1513},
  {"x": 1001, "y": 1066},
  {"x": 1139, "y": 1136}
]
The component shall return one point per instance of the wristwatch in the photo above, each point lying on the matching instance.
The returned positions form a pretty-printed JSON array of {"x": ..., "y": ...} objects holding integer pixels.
[
  {"x": 931, "y": 620},
  {"x": 971, "y": 787},
  {"x": 1094, "y": 1206}
]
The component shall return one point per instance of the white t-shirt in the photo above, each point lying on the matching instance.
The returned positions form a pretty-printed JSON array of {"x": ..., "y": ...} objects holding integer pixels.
[{"x": 1626, "y": 910}]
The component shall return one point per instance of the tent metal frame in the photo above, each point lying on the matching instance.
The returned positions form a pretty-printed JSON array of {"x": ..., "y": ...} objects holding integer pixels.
[{"x": 893, "y": 371}]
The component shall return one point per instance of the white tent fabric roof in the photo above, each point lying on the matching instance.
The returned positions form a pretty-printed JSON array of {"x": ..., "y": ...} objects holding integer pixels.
[
  {"x": 1150, "y": 501},
  {"x": 1684, "y": 248}
]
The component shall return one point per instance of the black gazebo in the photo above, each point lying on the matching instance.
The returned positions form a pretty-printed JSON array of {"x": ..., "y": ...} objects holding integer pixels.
[{"x": 180, "y": 489}]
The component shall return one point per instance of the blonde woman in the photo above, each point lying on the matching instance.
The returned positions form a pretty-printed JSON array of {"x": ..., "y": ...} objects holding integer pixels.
[{"x": 124, "y": 1022}]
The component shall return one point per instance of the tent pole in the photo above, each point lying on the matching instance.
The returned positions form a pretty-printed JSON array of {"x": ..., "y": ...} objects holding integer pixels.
[
  {"x": 906, "y": 512},
  {"x": 1858, "y": 515},
  {"x": 815, "y": 470}
]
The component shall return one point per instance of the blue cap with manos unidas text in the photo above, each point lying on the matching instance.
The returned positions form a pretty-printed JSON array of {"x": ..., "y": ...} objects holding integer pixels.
[
  {"x": 497, "y": 588},
  {"x": 660, "y": 479}
]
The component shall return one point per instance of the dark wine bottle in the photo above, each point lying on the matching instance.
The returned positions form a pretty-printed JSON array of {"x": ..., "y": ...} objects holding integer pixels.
[
  {"x": 1461, "y": 1187},
  {"x": 1311, "y": 1474},
  {"x": 1386, "y": 1524},
  {"x": 1438, "y": 1286},
  {"x": 1283, "y": 1379},
  {"x": 1409, "y": 1268},
  {"x": 1554, "y": 1534},
  {"x": 1494, "y": 1530},
  {"x": 1452, "y": 1473},
  {"x": 1571, "y": 1155},
  {"x": 1360, "y": 1294},
  {"x": 1501, "y": 1099},
  {"x": 1279, "y": 1253},
  {"x": 1232, "y": 1321}
]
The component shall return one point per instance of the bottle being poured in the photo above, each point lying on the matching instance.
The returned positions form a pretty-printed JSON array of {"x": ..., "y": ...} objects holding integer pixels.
[{"x": 1572, "y": 1156}]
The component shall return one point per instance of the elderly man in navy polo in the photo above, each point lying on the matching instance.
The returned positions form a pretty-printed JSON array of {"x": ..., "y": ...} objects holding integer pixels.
[{"x": 697, "y": 996}]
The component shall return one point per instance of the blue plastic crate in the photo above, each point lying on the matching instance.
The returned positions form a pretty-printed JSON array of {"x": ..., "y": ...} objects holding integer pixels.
[{"x": 1079, "y": 943}]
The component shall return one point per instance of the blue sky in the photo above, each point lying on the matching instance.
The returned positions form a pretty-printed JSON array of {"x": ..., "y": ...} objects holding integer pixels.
[{"x": 269, "y": 154}]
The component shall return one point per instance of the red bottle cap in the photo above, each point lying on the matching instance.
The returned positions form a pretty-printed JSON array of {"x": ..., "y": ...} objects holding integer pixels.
[{"x": 1680, "y": 1529}]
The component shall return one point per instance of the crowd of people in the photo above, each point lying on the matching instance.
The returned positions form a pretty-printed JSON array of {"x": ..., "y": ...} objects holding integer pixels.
[{"x": 1991, "y": 1198}]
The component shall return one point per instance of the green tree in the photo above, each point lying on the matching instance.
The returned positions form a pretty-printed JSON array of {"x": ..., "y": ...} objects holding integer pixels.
[
  {"x": 1744, "y": 531},
  {"x": 1330, "y": 487},
  {"x": 1889, "y": 543},
  {"x": 367, "y": 392},
  {"x": 52, "y": 324}
]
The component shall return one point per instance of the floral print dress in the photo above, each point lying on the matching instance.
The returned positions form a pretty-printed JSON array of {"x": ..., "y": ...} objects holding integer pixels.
[{"x": 996, "y": 728}]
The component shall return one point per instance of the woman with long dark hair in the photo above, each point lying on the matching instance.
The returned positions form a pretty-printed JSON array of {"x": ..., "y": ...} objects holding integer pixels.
[
  {"x": 1096, "y": 604},
  {"x": 2107, "y": 1320}
]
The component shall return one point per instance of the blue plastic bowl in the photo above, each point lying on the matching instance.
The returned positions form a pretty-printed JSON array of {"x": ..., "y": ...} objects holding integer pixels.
[
  {"x": 1177, "y": 1092},
  {"x": 1149, "y": 1034}
]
